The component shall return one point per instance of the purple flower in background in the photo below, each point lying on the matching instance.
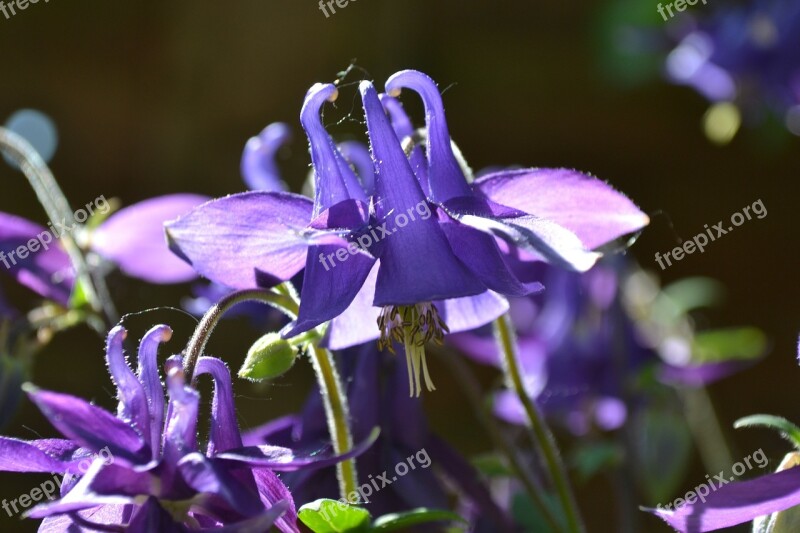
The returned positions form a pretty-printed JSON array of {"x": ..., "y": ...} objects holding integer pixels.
[
  {"x": 143, "y": 469},
  {"x": 43, "y": 266},
  {"x": 441, "y": 257},
  {"x": 259, "y": 168},
  {"x": 377, "y": 394},
  {"x": 133, "y": 239},
  {"x": 748, "y": 54},
  {"x": 582, "y": 349},
  {"x": 578, "y": 350}
]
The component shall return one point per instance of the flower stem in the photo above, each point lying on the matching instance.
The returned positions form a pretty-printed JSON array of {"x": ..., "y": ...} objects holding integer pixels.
[
  {"x": 472, "y": 389},
  {"x": 337, "y": 413},
  {"x": 58, "y": 210},
  {"x": 208, "y": 323},
  {"x": 540, "y": 432},
  {"x": 334, "y": 397}
]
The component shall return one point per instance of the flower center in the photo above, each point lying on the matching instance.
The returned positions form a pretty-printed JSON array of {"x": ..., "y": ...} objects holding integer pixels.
[{"x": 413, "y": 326}]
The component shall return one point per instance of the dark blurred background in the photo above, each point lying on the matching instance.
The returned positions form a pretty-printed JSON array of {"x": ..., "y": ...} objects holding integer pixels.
[{"x": 159, "y": 97}]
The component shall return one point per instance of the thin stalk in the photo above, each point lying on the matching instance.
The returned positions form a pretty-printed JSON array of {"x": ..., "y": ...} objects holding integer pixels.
[
  {"x": 331, "y": 388},
  {"x": 706, "y": 429},
  {"x": 58, "y": 210},
  {"x": 500, "y": 440},
  {"x": 539, "y": 431},
  {"x": 337, "y": 413}
]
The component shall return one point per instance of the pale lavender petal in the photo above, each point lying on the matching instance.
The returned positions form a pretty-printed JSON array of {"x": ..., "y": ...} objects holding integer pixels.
[
  {"x": 133, "y": 238},
  {"x": 245, "y": 240},
  {"x": 470, "y": 312},
  {"x": 583, "y": 204},
  {"x": 736, "y": 503}
]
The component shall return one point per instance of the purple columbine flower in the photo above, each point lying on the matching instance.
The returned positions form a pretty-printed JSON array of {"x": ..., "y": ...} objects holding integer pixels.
[
  {"x": 143, "y": 469},
  {"x": 45, "y": 267},
  {"x": 441, "y": 269},
  {"x": 748, "y": 54}
]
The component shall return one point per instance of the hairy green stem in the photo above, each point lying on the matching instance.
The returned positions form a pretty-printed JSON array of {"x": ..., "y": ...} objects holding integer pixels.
[
  {"x": 58, "y": 210},
  {"x": 539, "y": 431},
  {"x": 208, "y": 323},
  {"x": 337, "y": 413}
]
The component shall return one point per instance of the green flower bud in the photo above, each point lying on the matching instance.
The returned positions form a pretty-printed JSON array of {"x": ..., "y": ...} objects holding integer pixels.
[{"x": 269, "y": 357}]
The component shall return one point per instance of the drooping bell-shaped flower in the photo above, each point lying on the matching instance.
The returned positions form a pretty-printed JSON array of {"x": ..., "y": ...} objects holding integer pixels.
[
  {"x": 421, "y": 270},
  {"x": 144, "y": 465}
]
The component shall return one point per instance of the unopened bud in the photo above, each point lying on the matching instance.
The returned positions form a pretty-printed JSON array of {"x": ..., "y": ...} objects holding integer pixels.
[{"x": 269, "y": 357}]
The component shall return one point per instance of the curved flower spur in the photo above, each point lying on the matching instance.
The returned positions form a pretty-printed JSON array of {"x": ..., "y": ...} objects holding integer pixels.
[
  {"x": 147, "y": 470},
  {"x": 438, "y": 274}
]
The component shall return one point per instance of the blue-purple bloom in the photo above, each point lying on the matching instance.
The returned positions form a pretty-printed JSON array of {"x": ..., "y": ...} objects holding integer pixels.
[
  {"x": 583, "y": 349},
  {"x": 424, "y": 276},
  {"x": 46, "y": 271},
  {"x": 745, "y": 53},
  {"x": 147, "y": 470}
]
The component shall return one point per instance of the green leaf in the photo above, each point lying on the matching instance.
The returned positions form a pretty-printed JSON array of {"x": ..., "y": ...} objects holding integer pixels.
[
  {"x": 692, "y": 293},
  {"x": 729, "y": 344},
  {"x": 331, "y": 516},
  {"x": 787, "y": 430},
  {"x": 492, "y": 465},
  {"x": 595, "y": 457},
  {"x": 397, "y": 521},
  {"x": 79, "y": 298}
]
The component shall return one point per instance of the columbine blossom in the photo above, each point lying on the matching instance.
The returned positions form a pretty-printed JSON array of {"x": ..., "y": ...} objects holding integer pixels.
[
  {"x": 433, "y": 275},
  {"x": 160, "y": 477},
  {"x": 748, "y": 54},
  {"x": 46, "y": 271}
]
